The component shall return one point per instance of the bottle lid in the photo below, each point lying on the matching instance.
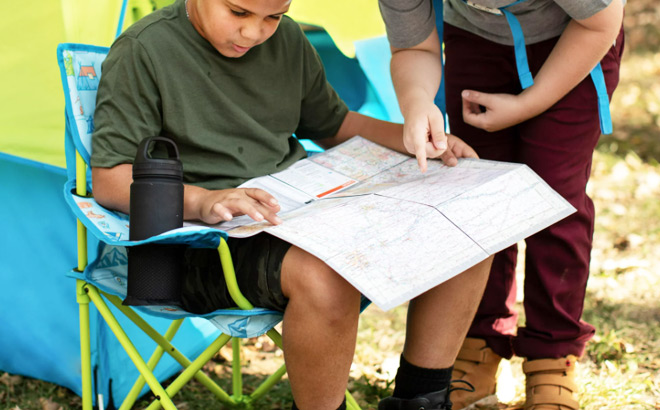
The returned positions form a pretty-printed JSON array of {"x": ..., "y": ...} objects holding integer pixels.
[{"x": 145, "y": 165}]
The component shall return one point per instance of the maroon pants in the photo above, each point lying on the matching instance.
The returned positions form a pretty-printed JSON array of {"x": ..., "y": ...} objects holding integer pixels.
[{"x": 558, "y": 145}]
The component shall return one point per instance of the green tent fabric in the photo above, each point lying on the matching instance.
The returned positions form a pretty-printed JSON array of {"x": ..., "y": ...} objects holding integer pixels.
[
  {"x": 346, "y": 21},
  {"x": 31, "y": 99}
]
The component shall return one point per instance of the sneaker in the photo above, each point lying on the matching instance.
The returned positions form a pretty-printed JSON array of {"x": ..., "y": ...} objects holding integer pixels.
[
  {"x": 438, "y": 400},
  {"x": 476, "y": 364},
  {"x": 550, "y": 384}
]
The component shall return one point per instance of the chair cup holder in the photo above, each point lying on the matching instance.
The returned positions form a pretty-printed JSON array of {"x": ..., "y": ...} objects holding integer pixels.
[{"x": 155, "y": 275}]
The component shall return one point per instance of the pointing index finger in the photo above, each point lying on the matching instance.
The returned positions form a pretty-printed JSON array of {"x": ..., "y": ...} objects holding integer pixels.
[{"x": 420, "y": 153}]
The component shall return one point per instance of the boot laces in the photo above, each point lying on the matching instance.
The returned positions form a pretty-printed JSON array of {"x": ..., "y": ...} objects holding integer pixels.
[{"x": 468, "y": 388}]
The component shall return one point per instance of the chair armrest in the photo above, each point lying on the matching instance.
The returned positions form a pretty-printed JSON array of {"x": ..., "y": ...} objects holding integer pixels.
[
  {"x": 230, "y": 277},
  {"x": 112, "y": 227}
]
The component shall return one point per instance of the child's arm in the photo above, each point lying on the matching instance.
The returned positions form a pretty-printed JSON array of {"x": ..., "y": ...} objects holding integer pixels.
[
  {"x": 416, "y": 73},
  {"x": 112, "y": 190},
  {"x": 581, "y": 46},
  {"x": 389, "y": 135}
]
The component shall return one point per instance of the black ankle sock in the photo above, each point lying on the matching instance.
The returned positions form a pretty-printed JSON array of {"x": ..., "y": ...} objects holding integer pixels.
[
  {"x": 413, "y": 380},
  {"x": 341, "y": 407}
]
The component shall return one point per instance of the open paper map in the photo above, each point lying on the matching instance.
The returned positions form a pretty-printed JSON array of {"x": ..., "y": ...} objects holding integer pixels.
[{"x": 393, "y": 232}]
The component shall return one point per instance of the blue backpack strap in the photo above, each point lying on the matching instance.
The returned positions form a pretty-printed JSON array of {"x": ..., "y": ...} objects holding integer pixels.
[
  {"x": 122, "y": 15},
  {"x": 522, "y": 64},
  {"x": 439, "y": 24},
  {"x": 526, "y": 79},
  {"x": 598, "y": 78}
]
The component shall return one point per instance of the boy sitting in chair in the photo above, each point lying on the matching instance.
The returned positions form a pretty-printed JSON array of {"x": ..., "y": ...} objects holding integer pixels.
[{"x": 231, "y": 81}]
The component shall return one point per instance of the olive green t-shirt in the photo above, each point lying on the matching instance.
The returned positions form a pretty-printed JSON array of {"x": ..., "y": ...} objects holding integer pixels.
[{"x": 232, "y": 118}]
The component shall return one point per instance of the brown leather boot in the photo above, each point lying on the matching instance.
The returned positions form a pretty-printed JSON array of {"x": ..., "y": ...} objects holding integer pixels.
[
  {"x": 477, "y": 364},
  {"x": 551, "y": 384}
]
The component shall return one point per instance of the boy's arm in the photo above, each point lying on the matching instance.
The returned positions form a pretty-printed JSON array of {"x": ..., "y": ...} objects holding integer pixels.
[
  {"x": 416, "y": 73},
  {"x": 389, "y": 135},
  {"x": 112, "y": 190},
  {"x": 581, "y": 46},
  {"x": 384, "y": 133}
]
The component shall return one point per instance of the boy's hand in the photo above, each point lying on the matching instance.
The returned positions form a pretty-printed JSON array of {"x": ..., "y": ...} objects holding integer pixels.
[
  {"x": 457, "y": 149},
  {"x": 222, "y": 205},
  {"x": 424, "y": 133},
  {"x": 493, "y": 112}
]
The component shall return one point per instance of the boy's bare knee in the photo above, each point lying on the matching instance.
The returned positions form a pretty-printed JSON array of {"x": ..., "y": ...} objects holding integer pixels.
[{"x": 309, "y": 280}]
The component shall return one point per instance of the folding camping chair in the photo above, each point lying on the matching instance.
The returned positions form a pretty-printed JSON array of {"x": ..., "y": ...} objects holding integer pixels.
[{"x": 104, "y": 277}]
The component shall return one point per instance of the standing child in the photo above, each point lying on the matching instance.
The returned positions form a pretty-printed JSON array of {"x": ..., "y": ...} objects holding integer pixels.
[
  {"x": 547, "y": 118},
  {"x": 231, "y": 81}
]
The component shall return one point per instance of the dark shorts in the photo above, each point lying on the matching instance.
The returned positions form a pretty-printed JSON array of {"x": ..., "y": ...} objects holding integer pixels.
[{"x": 258, "y": 266}]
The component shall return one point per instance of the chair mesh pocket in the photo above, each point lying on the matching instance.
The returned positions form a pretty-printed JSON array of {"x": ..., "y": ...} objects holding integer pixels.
[{"x": 154, "y": 275}]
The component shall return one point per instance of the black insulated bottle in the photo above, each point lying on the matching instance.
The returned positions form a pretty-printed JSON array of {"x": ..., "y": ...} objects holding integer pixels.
[{"x": 156, "y": 206}]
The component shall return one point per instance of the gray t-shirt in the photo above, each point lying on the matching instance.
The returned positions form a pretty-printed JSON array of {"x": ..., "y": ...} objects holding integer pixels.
[{"x": 409, "y": 22}]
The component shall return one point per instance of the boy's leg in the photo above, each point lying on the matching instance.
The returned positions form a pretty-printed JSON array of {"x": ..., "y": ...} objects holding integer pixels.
[
  {"x": 320, "y": 316},
  {"x": 438, "y": 320},
  {"x": 319, "y": 330},
  {"x": 558, "y": 257},
  {"x": 558, "y": 145},
  {"x": 496, "y": 318},
  {"x": 437, "y": 323}
]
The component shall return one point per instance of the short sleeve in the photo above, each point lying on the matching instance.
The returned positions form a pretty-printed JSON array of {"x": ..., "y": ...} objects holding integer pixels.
[
  {"x": 322, "y": 111},
  {"x": 127, "y": 104},
  {"x": 407, "y": 22},
  {"x": 579, "y": 10}
]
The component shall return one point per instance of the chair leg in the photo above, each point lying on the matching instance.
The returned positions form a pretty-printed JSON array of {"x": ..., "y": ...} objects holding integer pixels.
[
  {"x": 133, "y": 395},
  {"x": 191, "y": 368},
  {"x": 351, "y": 404},
  {"x": 132, "y": 352},
  {"x": 236, "y": 376},
  {"x": 173, "y": 351},
  {"x": 85, "y": 349},
  {"x": 194, "y": 367},
  {"x": 267, "y": 384}
]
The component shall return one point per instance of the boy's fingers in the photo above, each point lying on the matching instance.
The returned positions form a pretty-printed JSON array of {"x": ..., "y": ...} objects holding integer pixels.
[
  {"x": 248, "y": 209},
  {"x": 268, "y": 214},
  {"x": 448, "y": 158},
  {"x": 472, "y": 101},
  {"x": 420, "y": 153},
  {"x": 273, "y": 218},
  {"x": 471, "y": 107},
  {"x": 258, "y": 212},
  {"x": 473, "y": 118},
  {"x": 221, "y": 212},
  {"x": 438, "y": 137},
  {"x": 262, "y": 196},
  {"x": 460, "y": 148},
  {"x": 476, "y": 98},
  {"x": 477, "y": 108},
  {"x": 414, "y": 140},
  {"x": 468, "y": 152}
]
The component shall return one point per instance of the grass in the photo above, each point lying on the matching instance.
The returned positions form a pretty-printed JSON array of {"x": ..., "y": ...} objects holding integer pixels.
[{"x": 621, "y": 366}]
